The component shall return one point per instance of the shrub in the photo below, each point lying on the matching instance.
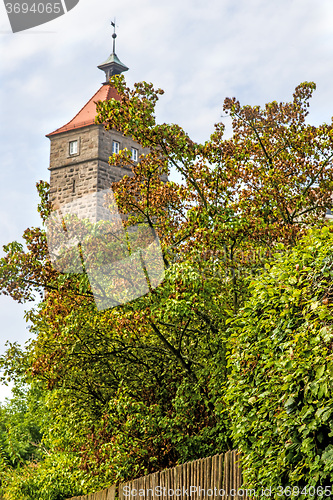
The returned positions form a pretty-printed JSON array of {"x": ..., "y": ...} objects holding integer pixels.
[{"x": 281, "y": 366}]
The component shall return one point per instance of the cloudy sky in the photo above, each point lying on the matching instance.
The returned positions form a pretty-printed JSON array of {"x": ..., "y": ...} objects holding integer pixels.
[{"x": 199, "y": 52}]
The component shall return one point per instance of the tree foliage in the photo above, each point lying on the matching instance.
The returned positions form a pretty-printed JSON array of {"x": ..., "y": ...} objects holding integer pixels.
[{"x": 140, "y": 387}]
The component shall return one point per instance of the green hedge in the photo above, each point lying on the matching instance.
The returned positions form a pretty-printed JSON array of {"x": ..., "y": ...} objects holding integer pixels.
[{"x": 280, "y": 388}]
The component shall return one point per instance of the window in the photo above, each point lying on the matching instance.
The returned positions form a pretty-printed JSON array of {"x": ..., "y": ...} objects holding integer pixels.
[
  {"x": 134, "y": 154},
  {"x": 73, "y": 149},
  {"x": 115, "y": 147}
]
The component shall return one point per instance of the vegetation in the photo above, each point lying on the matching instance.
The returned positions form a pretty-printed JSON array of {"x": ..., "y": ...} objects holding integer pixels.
[
  {"x": 281, "y": 367},
  {"x": 152, "y": 383}
]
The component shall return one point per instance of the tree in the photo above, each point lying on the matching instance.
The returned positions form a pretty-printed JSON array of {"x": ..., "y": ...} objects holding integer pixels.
[
  {"x": 240, "y": 198},
  {"x": 262, "y": 186}
]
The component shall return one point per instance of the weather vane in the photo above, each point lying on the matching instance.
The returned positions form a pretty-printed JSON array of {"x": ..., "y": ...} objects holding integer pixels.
[{"x": 114, "y": 35}]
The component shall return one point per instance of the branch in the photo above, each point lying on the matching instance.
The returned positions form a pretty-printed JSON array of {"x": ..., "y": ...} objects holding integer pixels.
[{"x": 175, "y": 352}]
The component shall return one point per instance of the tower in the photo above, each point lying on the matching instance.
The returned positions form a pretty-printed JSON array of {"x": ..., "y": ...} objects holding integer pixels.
[{"x": 80, "y": 150}]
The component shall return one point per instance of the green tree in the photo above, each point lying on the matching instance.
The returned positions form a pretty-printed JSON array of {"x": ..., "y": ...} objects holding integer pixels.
[
  {"x": 20, "y": 427},
  {"x": 264, "y": 185},
  {"x": 148, "y": 376}
]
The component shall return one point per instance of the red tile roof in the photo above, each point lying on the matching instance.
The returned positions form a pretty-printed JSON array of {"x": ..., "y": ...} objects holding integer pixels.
[{"x": 88, "y": 113}]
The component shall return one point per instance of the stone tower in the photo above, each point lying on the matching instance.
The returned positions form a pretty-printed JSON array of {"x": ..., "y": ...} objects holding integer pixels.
[{"x": 80, "y": 150}]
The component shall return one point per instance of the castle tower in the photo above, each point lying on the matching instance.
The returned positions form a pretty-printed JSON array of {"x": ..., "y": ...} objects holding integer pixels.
[{"x": 80, "y": 150}]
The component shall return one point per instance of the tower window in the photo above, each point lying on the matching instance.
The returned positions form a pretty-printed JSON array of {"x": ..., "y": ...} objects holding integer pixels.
[
  {"x": 115, "y": 147},
  {"x": 73, "y": 149},
  {"x": 134, "y": 154}
]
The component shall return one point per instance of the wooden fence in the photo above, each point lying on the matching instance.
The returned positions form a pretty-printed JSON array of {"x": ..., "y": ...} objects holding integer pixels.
[{"x": 213, "y": 478}]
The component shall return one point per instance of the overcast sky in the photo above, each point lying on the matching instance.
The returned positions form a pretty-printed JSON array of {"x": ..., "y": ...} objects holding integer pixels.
[{"x": 199, "y": 52}]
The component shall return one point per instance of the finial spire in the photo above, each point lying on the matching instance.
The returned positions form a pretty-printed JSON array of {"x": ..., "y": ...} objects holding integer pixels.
[
  {"x": 114, "y": 35},
  {"x": 112, "y": 66}
]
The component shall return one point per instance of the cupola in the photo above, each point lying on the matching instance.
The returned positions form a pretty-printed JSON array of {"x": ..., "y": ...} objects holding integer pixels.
[{"x": 113, "y": 65}]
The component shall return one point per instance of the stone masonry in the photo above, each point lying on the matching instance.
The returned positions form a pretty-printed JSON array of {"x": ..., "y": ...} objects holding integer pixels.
[{"x": 88, "y": 170}]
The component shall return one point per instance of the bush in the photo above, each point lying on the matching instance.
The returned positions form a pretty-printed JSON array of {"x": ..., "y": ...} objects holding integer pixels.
[
  {"x": 281, "y": 366},
  {"x": 55, "y": 478}
]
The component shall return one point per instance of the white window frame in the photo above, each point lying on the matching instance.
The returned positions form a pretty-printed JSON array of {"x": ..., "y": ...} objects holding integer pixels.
[
  {"x": 115, "y": 147},
  {"x": 73, "y": 147},
  {"x": 134, "y": 154}
]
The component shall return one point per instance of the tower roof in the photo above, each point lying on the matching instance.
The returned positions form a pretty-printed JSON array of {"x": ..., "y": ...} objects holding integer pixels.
[{"x": 86, "y": 116}]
